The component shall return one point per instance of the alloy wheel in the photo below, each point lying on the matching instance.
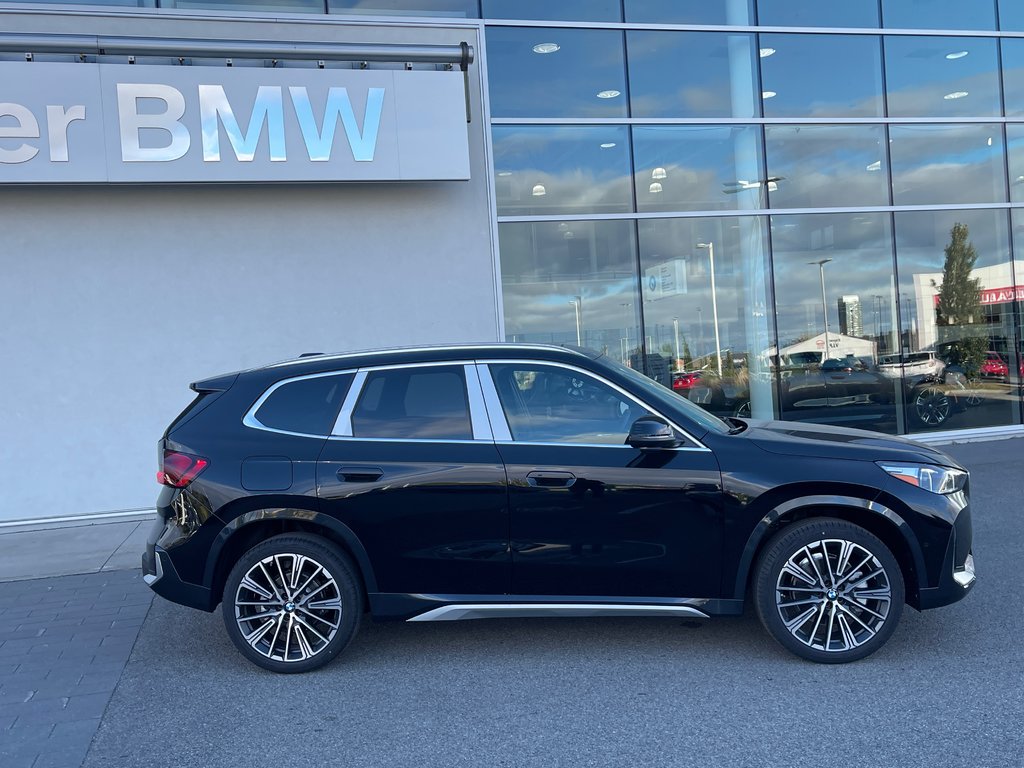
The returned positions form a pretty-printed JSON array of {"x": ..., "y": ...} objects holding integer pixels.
[
  {"x": 833, "y": 595},
  {"x": 288, "y": 607},
  {"x": 932, "y": 406}
]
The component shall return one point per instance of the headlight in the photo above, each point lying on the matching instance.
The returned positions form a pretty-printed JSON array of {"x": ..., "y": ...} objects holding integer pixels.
[{"x": 928, "y": 476}]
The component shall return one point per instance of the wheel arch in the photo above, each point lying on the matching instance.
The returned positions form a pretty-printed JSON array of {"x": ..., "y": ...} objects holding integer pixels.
[
  {"x": 249, "y": 529},
  {"x": 873, "y": 517}
]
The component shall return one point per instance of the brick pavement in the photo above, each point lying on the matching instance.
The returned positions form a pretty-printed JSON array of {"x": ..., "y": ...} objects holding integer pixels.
[{"x": 64, "y": 643}]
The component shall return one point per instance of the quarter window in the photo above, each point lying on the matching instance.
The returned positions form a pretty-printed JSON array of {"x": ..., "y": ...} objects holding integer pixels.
[
  {"x": 308, "y": 406},
  {"x": 414, "y": 403},
  {"x": 555, "y": 405}
]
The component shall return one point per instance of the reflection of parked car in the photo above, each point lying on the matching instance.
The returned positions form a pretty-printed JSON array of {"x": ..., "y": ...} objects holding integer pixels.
[
  {"x": 912, "y": 364},
  {"x": 994, "y": 366}
]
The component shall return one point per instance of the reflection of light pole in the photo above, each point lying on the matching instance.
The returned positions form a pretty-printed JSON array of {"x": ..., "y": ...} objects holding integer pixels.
[
  {"x": 714, "y": 301},
  {"x": 824, "y": 304},
  {"x": 577, "y": 302},
  {"x": 675, "y": 328},
  {"x": 624, "y": 342}
]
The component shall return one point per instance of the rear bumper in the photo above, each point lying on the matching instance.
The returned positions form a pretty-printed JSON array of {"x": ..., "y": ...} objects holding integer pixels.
[{"x": 159, "y": 573}]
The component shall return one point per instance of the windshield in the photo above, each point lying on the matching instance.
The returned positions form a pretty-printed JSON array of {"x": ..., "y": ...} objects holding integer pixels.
[{"x": 695, "y": 413}]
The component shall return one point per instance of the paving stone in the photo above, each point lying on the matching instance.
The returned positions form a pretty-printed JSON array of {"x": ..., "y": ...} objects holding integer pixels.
[{"x": 65, "y": 643}]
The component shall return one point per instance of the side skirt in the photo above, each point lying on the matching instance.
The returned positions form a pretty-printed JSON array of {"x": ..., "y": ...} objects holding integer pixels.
[{"x": 421, "y": 607}]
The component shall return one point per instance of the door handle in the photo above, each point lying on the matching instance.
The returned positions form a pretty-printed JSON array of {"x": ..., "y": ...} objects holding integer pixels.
[
  {"x": 551, "y": 479},
  {"x": 360, "y": 474}
]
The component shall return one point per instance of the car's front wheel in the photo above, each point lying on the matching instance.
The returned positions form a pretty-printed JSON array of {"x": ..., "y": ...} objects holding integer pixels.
[
  {"x": 292, "y": 603},
  {"x": 828, "y": 590}
]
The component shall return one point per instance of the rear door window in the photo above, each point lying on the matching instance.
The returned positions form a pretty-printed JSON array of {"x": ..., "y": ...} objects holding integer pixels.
[
  {"x": 423, "y": 403},
  {"x": 306, "y": 406}
]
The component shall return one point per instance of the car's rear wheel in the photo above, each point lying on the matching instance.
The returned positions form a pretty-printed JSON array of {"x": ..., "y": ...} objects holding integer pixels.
[
  {"x": 828, "y": 590},
  {"x": 292, "y": 603}
]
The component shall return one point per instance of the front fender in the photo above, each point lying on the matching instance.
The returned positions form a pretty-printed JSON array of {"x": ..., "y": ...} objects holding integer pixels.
[{"x": 764, "y": 527}]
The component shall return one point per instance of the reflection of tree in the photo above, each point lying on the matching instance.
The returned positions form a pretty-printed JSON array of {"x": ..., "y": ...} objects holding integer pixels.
[{"x": 959, "y": 307}]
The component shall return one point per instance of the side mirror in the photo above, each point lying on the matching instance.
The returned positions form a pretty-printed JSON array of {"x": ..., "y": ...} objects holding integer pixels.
[{"x": 651, "y": 432}]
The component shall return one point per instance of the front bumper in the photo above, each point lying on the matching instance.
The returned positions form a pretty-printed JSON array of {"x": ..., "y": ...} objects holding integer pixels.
[{"x": 956, "y": 581}]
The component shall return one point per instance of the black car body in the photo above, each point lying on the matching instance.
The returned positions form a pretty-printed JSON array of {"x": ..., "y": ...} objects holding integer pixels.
[{"x": 510, "y": 480}]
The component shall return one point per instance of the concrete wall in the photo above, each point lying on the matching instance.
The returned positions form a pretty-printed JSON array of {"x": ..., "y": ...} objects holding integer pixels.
[{"x": 113, "y": 299}]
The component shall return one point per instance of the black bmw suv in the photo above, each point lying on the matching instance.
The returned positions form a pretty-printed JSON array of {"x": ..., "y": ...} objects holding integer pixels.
[{"x": 509, "y": 480}]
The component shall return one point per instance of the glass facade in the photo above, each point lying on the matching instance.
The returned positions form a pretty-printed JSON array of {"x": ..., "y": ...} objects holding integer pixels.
[
  {"x": 822, "y": 222},
  {"x": 817, "y": 223}
]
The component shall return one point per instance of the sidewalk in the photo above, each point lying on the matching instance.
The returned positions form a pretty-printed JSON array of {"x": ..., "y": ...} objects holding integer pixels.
[{"x": 34, "y": 549}]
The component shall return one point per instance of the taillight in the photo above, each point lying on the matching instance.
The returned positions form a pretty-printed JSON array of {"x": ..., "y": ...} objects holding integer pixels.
[{"x": 180, "y": 469}]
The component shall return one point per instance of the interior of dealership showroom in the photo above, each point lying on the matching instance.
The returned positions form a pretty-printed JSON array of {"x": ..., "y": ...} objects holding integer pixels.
[{"x": 807, "y": 210}]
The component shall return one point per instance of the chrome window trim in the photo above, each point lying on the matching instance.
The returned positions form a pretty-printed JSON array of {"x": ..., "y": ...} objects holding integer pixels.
[
  {"x": 250, "y": 420},
  {"x": 343, "y": 426},
  {"x": 495, "y": 413},
  {"x": 697, "y": 445},
  {"x": 477, "y": 410}
]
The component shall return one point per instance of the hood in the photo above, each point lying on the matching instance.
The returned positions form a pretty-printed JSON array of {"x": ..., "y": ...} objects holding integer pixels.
[{"x": 788, "y": 438}]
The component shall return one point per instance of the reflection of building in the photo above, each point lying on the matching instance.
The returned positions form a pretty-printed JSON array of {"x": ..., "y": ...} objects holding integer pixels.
[
  {"x": 849, "y": 316},
  {"x": 840, "y": 346},
  {"x": 998, "y": 294}
]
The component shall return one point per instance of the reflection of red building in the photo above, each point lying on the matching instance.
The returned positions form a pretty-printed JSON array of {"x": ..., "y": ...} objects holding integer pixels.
[{"x": 998, "y": 292}]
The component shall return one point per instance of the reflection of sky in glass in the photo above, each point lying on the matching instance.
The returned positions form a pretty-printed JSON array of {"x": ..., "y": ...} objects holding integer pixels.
[
  {"x": 932, "y": 76},
  {"x": 737, "y": 12},
  {"x": 1011, "y": 15},
  {"x": 1013, "y": 75},
  {"x": 576, "y": 172},
  {"x": 939, "y": 14},
  {"x": 564, "y": 83},
  {"x": 860, "y": 246},
  {"x": 545, "y": 266},
  {"x": 822, "y": 75},
  {"x": 936, "y": 164},
  {"x": 698, "y": 168},
  {"x": 456, "y": 8},
  {"x": 817, "y": 13},
  {"x": 821, "y": 166},
  {"x": 545, "y": 10},
  {"x": 691, "y": 74},
  {"x": 1015, "y": 157}
]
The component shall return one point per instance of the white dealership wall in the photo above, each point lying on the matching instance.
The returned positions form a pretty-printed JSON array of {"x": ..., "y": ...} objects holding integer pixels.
[{"x": 114, "y": 298}]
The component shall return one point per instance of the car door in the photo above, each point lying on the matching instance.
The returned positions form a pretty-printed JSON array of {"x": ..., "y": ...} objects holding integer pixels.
[
  {"x": 413, "y": 470},
  {"x": 591, "y": 516}
]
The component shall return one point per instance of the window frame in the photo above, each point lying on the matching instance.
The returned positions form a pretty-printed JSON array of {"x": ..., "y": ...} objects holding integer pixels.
[
  {"x": 477, "y": 412},
  {"x": 499, "y": 422},
  {"x": 250, "y": 420}
]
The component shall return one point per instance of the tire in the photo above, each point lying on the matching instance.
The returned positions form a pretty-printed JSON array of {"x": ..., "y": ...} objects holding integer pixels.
[
  {"x": 268, "y": 608},
  {"x": 852, "y": 585}
]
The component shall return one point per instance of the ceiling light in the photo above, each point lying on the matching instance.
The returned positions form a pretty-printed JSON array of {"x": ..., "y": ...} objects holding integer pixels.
[
  {"x": 655, "y": 188},
  {"x": 955, "y": 95},
  {"x": 989, "y": 142},
  {"x": 608, "y": 145},
  {"x": 504, "y": 173},
  {"x": 609, "y": 94},
  {"x": 766, "y": 52},
  {"x": 539, "y": 191},
  {"x": 875, "y": 166},
  {"x": 658, "y": 173},
  {"x": 546, "y": 47},
  {"x": 568, "y": 235},
  {"x": 956, "y": 55},
  {"x": 768, "y": 94}
]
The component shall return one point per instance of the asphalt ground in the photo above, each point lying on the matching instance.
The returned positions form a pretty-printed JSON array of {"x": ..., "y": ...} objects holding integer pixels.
[{"x": 947, "y": 690}]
